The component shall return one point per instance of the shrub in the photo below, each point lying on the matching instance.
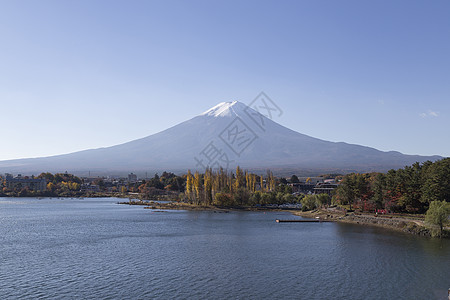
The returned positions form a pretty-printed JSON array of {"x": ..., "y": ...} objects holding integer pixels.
[
  {"x": 309, "y": 202},
  {"x": 437, "y": 215}
]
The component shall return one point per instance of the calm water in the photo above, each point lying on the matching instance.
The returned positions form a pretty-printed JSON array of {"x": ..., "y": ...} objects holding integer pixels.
[{"x": 94, "y": 248}]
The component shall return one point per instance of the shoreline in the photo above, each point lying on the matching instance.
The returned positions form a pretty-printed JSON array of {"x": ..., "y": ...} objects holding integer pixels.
[
  {"x": 399, "y": 224},
  {"x": 195, "y": 207},
  {"x": 396, "y": 223}
]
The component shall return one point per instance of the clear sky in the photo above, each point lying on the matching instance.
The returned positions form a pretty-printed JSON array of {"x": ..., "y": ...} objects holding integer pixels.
[{"x": 80, "y": 74}]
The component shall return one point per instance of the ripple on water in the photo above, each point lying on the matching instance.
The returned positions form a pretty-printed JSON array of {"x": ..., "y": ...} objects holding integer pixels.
[{"x": 97, "y": 249}]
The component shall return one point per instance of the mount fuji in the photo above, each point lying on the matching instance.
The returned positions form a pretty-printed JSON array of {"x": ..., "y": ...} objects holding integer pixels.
[{"x": 226, "y": 135}]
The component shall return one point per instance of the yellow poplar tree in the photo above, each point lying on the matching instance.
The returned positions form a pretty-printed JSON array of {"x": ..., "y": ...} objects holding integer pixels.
[
  {"x": 208, "y": 186},
  {"x": 189, "y": 185},
  {"x": 240, "y": 179},
  {"x": 197, "y": 183}
]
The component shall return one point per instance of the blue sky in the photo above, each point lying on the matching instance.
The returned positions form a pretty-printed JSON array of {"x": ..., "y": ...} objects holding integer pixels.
[{"x": 76, "y": 75}]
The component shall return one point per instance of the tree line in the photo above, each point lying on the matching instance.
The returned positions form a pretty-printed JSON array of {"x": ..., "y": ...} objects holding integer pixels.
[
  {"x": 58, "y": 185},
  {"x": 407, "y": 190},
  {"x": 241, "y": 188}
]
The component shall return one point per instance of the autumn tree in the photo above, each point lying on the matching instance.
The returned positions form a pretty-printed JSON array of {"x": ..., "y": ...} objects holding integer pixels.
[
  {"x": 208, "y": 185},
  {"x": 197, "y": 186},
  {"x": 189, "y": 185},
  {"x": 240, "y": 179}
]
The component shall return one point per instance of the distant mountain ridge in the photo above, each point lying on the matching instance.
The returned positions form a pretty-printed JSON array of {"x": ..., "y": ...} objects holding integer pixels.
[{"x": 226, "y": 135}]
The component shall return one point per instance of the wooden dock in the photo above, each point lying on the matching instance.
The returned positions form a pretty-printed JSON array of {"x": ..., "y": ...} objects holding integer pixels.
[{"x": 302, "y": 221}]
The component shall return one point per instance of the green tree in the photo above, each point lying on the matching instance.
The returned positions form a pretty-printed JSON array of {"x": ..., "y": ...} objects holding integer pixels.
[
  {"x": 294, "y": 179},
  {"x": 288, "y": 189},
  {"x": 411, "y": 182},
  {"x": 437, "y": 214},
  {"x": 155, "y": 182},
  {"x": 224, "y": 199},
  {"x": 346, "y": 190},
  {"x": 241, "y": 196},
  {"x": 309, "y": 202},
  {"x": 48, "y": 176},
  {"x": 323, "y": 199},
  {"x": 288, "y": 198},
  {"x": 436, "y": 181},
  {"x": 378, "y": 184}
]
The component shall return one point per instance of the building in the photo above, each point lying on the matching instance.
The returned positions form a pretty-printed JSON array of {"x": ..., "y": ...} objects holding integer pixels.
[
  {"x": 88, "y": 187},
  {"x": 132, "y": 178},
  {"x": 20, "y": 182},
  {"x": 301, "y": 187},
  {"x": 325, "y": 188},
  {"x": 311, "y": 180}
]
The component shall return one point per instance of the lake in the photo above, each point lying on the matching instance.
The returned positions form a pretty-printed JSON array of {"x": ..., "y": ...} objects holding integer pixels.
[{"x": 97, "y": 249}]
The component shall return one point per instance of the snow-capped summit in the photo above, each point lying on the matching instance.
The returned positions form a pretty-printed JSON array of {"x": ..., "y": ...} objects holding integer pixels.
[{"x": 226, "y": 109}]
